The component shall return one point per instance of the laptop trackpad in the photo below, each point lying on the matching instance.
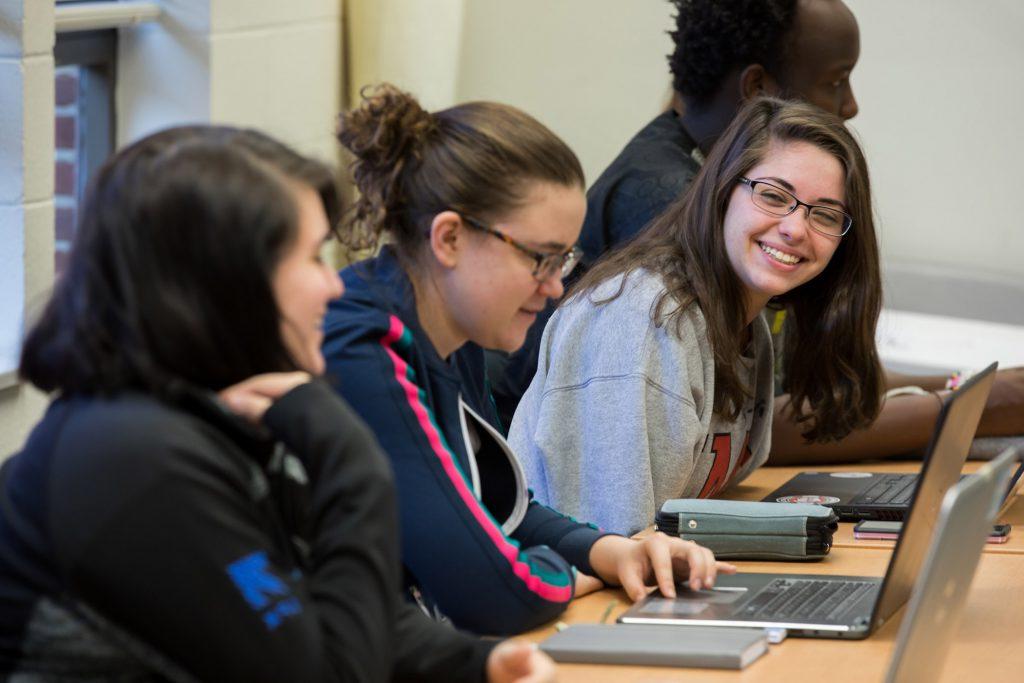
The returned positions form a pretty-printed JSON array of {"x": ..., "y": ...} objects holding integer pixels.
[{"x": 688, "y": 603}]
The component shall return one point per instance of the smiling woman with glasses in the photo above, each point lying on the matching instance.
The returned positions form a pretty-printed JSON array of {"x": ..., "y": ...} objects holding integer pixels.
[
  {"x": 481, "y": 206},
  {"x": 656, "y": 373}
]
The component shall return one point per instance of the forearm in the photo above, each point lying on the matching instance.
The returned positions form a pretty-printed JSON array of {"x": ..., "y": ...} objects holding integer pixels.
[
  {"x": 569, "y": 538},
  {"x": 927, "y": 382},
  {"x": 604, "y": 557},
  {"x": 904, "y": 425}
]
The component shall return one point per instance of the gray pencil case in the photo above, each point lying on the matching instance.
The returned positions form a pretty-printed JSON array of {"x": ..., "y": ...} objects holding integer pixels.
[{"x": 741, "y": 530}]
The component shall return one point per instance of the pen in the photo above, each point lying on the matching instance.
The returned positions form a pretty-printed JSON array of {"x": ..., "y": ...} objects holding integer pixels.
[{"x": 608, "y": 610}]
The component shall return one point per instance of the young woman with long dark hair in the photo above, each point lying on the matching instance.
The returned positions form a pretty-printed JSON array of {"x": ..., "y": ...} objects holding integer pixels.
[
  {"x": 193, "y": 505},
  {"x": 655, "y": 378}
]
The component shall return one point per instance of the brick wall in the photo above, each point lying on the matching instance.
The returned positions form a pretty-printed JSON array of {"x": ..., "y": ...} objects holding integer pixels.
[
  {"x": 26, "y": 196},
  {"x": 66, "y": 169}
]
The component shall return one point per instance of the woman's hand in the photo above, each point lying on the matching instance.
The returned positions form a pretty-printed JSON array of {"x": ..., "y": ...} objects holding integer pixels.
[
  {"x": 656, "y": 559},
  {"x": 516, "y": 661},
  {"x": 585, "y": 583},
  {"x": 250, "y": 398}
]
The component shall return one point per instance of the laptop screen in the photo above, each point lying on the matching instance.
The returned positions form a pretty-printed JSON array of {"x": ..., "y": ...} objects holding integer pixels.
[{"x": 943, "y": 462}]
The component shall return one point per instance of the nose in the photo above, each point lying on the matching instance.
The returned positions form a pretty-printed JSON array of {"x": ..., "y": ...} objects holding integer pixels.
[
  {"x": 848, "y": 109},
  {"x": 335, "y": 287},
  {"x": 552, "y": 288},
  {"x": 794, "y": 227}
]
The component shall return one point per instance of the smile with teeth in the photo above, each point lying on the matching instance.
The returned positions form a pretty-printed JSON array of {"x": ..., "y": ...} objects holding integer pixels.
[{"x": 779, "y": 256}]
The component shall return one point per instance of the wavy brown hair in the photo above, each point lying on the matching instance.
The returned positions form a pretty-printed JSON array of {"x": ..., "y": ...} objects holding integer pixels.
[
  {"x": 833, "y": 375},
  {"x": 411, "y": 164}
]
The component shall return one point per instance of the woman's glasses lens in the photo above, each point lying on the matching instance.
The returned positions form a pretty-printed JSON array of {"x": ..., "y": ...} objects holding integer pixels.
[{"x": 781, "y": 203}]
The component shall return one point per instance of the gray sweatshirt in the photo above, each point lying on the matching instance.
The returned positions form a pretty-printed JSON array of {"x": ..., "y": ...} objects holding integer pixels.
[{"x": 618, "y": 418}]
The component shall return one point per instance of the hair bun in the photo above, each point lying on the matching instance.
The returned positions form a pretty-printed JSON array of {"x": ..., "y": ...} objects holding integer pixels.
[
  {"x": 388, "y": 125},
  {"x": 386, "y": 132}
]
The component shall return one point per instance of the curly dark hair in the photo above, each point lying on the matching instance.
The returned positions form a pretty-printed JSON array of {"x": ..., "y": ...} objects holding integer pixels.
[{"x": 712, "y": 37}]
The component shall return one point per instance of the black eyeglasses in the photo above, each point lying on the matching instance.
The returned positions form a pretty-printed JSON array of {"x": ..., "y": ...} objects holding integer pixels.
[
  {"x": 779, "y": 202},
  {"x": 545, "y": 265}
]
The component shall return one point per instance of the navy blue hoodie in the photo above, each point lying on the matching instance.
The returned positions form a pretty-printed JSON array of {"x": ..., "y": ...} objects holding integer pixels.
[{"x": 474, "y": 544}]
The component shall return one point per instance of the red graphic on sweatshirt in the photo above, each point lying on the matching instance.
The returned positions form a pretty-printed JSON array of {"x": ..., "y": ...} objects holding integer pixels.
[{"x": 721, "y": 451}]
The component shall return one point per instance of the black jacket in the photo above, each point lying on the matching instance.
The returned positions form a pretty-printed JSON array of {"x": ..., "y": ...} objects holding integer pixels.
[{"x": 140, "y": 535}]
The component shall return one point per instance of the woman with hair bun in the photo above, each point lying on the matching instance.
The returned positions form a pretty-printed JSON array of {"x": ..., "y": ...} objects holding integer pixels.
[
  {"x": 194, "y": 505},
  {"x": 481, "y": 207}
]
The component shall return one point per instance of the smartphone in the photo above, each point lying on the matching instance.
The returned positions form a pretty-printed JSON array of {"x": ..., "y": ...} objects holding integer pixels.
[{"x": 890, "y": 531}]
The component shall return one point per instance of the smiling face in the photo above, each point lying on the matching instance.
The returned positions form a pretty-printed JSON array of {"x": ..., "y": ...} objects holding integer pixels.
[
  {"x": 303, "y": 284},
  {"x": 773, "y": 254},
  {"x": 491, "y": 295}
]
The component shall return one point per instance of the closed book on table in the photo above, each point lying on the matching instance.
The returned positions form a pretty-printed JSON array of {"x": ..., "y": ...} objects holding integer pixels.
[{"x": 647, "y": 645}]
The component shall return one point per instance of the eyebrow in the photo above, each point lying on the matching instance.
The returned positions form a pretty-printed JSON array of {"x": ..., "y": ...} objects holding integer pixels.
[
  {"x": 819, "y": 200},
  {"x": 552, "y": 246}
]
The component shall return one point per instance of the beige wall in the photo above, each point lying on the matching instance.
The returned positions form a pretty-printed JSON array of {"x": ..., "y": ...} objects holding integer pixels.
[
  {"x": 937, "y": 84},
  {"x": 272, "y": 65},
  {"x": 940, "y": 101},
  {"x": 592, "y": 70}
]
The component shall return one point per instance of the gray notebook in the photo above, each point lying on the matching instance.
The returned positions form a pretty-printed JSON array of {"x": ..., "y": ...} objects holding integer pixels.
[{"x": 644, "y": 645}]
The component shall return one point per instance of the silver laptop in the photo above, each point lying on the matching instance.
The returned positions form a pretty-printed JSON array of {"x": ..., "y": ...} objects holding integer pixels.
[
  {"x": 828, "y": 606},
  {"x": 940, "y": 592}
]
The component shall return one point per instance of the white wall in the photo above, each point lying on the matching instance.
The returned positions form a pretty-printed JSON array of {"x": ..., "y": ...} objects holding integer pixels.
[{"x": 26, "y": 185}]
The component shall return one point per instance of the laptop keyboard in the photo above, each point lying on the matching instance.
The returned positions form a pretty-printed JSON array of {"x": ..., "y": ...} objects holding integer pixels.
[
  {"x": 806, "y": 600},
  {"x": 892, "y": 489}
]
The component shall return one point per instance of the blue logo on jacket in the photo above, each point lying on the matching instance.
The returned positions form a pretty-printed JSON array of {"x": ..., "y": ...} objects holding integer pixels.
[{"x": 265, "y": 592}]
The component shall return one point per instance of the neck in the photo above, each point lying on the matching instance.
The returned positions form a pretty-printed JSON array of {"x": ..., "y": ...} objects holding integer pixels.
[
  {"x": 706, "y": 121},
  {"x": 434, "y": 316},
  {"x": 753, "y": 308}
]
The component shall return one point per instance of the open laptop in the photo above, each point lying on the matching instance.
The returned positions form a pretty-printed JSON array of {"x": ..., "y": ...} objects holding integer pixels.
[
  {"x": 824, "y": 606},
  {"x": 940, "y": 591},
  {"x": 867, "y": 495}
]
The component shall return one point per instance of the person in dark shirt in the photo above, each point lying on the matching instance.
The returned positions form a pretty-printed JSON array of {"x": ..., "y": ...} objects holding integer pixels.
[
  {"x": 725, "y": 53},
  {"x": 194, "y": 505}
]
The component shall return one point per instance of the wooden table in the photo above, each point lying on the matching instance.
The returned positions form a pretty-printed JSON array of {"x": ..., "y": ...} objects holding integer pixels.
[
  {"x": 767, "y": 479},
  {"x": 989, "y": 645}
]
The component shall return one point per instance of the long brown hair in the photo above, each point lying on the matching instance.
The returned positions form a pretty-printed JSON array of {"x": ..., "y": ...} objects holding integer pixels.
[
  {"x": 832, "y": 372},
  {"x": 411, "y": 164}
]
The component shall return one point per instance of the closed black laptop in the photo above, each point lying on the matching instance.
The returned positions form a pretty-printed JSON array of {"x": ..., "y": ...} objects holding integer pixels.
[{"x": 869, "y": 495}]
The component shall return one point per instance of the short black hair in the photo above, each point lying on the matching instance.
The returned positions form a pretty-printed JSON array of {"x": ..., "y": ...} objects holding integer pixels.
[
  {"x": 170, "y": 276},
  {"x": 713, "y": 37}
]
